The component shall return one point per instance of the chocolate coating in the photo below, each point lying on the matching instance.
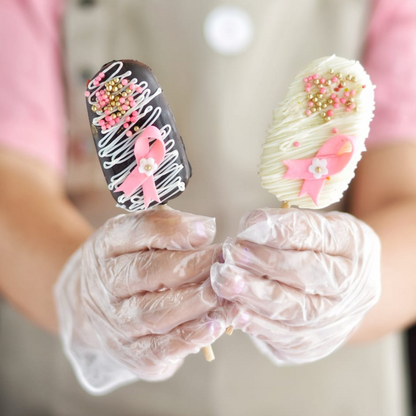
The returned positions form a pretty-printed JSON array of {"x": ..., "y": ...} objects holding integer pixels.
[{"x": 142, "y": 73}]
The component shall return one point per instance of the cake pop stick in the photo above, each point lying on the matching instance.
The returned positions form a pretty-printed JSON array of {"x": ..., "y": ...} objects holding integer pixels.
[
  {"x": 139, "y": 147},
  {"x": 317, "y": 134}
]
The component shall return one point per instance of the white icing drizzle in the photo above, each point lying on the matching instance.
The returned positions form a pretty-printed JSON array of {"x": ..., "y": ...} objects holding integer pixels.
[
  {"x": 119, "y": 148},
  {"x": 290, "y": 125}
]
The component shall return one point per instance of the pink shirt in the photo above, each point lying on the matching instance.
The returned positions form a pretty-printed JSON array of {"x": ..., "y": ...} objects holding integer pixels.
[{"x": 35, "y": 123}]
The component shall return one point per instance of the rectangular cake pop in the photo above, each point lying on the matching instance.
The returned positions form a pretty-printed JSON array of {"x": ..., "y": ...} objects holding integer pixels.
[
  {"x": 140, "y": 150},
  {"x": 317, "y": 134}
]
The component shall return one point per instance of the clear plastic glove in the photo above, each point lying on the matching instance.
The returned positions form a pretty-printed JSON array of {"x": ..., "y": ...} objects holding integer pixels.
[
  {"x": 136, "y": 298},
  {"x": 301, "y": 281}
]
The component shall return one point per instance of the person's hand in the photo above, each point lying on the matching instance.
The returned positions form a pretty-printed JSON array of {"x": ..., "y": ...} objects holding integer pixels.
[
  {"x": 136, "y": 298},
  {"x": 301, "y": 281}
]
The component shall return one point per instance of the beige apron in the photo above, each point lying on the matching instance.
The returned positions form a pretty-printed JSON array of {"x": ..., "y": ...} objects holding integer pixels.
[{"x": 223, "y": 105}]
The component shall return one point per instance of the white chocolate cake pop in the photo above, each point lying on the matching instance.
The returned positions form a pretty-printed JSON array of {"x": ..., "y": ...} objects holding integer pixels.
[{"x": 318, "y": 132}]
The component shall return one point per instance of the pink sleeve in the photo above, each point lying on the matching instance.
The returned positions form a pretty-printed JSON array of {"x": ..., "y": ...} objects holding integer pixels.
[
  {"x": 390, "y": 59},
  {"x": 31, "y": 107}
]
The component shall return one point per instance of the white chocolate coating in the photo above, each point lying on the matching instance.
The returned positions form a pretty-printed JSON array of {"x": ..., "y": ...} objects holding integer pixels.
[{"x": 290, "y": 125}]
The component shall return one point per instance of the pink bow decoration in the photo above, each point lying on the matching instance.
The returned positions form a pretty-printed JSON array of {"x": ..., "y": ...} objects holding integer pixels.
[
  {"x": 148, "y": 160},
  {"x": 328, "y": 161}
]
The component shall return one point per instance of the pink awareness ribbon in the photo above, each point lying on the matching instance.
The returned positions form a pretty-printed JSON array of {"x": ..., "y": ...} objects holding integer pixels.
[
  {"x": 153, "y": 156},
  {"x": 328, "y": 161}
]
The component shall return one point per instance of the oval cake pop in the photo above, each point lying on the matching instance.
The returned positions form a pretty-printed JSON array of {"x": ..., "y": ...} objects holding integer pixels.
[
  {"x": 317, "y": 134},
  {"x": 140, "y": 150}
]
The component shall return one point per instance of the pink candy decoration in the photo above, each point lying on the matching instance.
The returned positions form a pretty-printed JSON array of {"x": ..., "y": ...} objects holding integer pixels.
[
  {"x": 353, "y": 92},
  {"x": 322, "y": 80},
  {"x": 296, "y": 144},
  {"x": 127, "y": 118},
  {"x": 322, "y": 91},
  {"x": 307, "y": 90},
  {"x": 310, "y": 103},
  {"x": 329, "y": 113},
  {"x": 336, "y": 105},
  {"x": 129, "y": 133},
  {"x": 308, "y": 112},
  {"x": 346, "y": 94},
  {"x": 333, "y": 96},
  {"x": 315, "y": 76},
  {"x": 343, "y": 100},
  {"x": 305, "y": 79},
  {"x": 112, "y": 123},
  {"x": 124, "y": 107},
  {"x": 133, "y": 119},
  {"x": 108, "y": 118},
  {"x": 87, "y": 93},
  {"x": 101, "y": 74},
  {"x": 335, "y": 79},
  {"x": 117, "y": 119},
  {"x": 122, "y": 100},
  {"x": 126, "y": 125},
  {"x": 334, "y": 130},
  {"x": 139, "y": 89},
  {"x": 348, "y": 109},
  {"x": 135, "y": 113},
  {"x": 101, "y": 122},
  {"x": 124, "y": 81}
]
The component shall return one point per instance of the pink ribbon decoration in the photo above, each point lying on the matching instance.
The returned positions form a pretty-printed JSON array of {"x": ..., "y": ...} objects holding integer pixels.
[
  {"x": 328, "y": 160},
  {"x": 142, "y": 151}
]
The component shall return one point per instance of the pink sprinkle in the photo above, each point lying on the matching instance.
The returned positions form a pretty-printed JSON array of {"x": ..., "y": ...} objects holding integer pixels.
[
  {"x": 96, "y": 83},
  {"x": 352, "y": 105},
  {"x": 102, "y": 103},
  {"x": 124, "y": 107},
  {"x": 133, "y": 119},
  {"x": 296, "y": 144},
  {"x": 308, "y": 112},
  {"x": 343, "y": 100},
  {"x": 117, "y": 119},
  {"x": 336, "y": 99},
  {"x": 322, "y": 80},
  {"x": 310, "y": 78},
  {"x": 307, "y": 90},
  {"x": 346, "y": 94},
  {"x": 130, "y": 98},
  {"x": 126, "y": 125},
  {"x": 101, "y": 122},
  {"x": 108, "y": 118},
  {"x": 135, "y": 113},
  {"x": 106, "y": 112},
  {"x": 127, "y": 118},
  {"x": 132, "y": 103},
  {"x": 87, "y": 93},
  {"x": 322, "y": 91},
  {"x": 335, "y": 130},
  {"x": 139, "y": 89},
  {"x": 101, "y": 74},
  {"x": 305, "y": 79},
  {"x": 310, "y": 103},
  {"x": 353, "y": 92},
  {"x": 348, "y": 109},
  {"x": 315, "y": 76},
  {"x": 308, "y": 85},
  {"x": 122, "y": 100},
  {"x": 108, "y": 126},
  {"x": 112, "y": 122},
  {"x": 129, "y": 133},
  {"x": 336, "y": 105},
  {"x": 329, "y": 113},
  {"x": 335, "y": 79},
  {"x": 124, "y": 81},
  {"x": 333, "y": 96}
]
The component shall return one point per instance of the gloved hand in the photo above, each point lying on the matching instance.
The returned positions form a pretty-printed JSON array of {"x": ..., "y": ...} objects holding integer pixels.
[
  {"x": 135, "y": 299},
  {"x": 301, "y": 281}
]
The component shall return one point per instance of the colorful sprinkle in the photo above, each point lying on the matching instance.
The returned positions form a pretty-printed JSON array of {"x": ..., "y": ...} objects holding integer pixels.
[
  {"x": 296, "y": 144},
  {"x": 335, "y": 130}
]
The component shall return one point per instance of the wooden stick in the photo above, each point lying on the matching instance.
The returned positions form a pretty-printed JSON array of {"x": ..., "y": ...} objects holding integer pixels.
[{"x": 208, "y": 353}]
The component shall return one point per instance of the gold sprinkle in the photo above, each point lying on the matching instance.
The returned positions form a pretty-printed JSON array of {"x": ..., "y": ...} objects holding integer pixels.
[
  {"x": 128, "y": 90},
  {"x": 313, "y": 109},
  {"x": 115, "y": 89},
  {"x": 116, "y": 80},
  {"x": 119, "y": 114},
  {"x": 321, "y": 85},
  {"x": 136, "y": 128},
  {"x": 343, "y": 84},
  {"x": 324, "y": 105},
  {"x": 353, "y": 79},
  {"x": 112, "y": 97},
  {"x": 109, "y": 88},
  {"x": 113, "y": 103},
  {"x": 319, "y": 96},
  {"x": 318, "y": 169},
  {"x": 330, "y": 101},
  {"x": 319, "y": 104},
  {"x": 119, "y": 86},
  {"x": 310, "y": 96},
  {"x": 317, "y": 82},
  {"x": 113, "y": 116},
  {"x": 111, "y": 83},
  {"x": 122, "y": 112},
  {"x": 348, "y": 77},
  {"x": 123, "y": 94},
  {"x": 315, "y": 99},
  {"x": 346, "y": 89},
  {"x": 322, "y": 115},
  {"x": 339, "y": 75},
  {"x": 94, "y": 108},
  {"x": 148, "y": 167},
  {"x": 329, "y": 82},
  {"x": 327, "y": 118},
  {"x": 331, "y": 71}
]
